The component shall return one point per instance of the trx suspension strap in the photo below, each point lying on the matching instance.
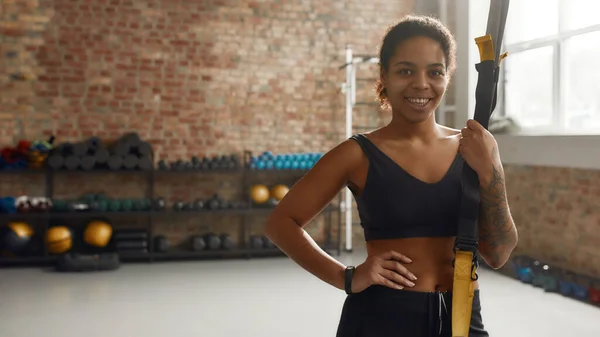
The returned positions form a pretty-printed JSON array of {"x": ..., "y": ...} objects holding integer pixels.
[{"x": 465, "y": 247}]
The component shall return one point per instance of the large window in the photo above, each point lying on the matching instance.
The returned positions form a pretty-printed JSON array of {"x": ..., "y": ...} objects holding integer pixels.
[{"x": 551, "y": 79}]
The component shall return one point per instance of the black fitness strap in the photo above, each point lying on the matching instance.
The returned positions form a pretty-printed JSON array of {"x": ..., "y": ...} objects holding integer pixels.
[
  {"x": 466, "y": 243},
  {"x": 485, "y": 102}
]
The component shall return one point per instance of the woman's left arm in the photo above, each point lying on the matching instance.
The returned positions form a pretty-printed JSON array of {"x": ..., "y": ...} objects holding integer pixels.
[{"x": 498, "y": 235}]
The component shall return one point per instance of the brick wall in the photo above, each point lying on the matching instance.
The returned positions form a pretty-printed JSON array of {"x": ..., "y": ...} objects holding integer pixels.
[
  {"x": 192, "y": 77},
  {"x": 556, "y": 211}
]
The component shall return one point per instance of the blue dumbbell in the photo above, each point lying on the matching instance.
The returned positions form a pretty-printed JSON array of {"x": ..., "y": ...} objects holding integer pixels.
[
  {"x": 268, "y": 155},
  {"x": 581, "y": 292},
  {"x": 269, "y": 165},
  {"x": 8, "y": 205},
  {"x": 526, "y": 275},
  {"x": 564, "y": 287},
  {"x": 582, "y": 288}
]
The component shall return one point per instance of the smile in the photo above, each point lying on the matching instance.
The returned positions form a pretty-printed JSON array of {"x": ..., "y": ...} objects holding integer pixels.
[{"x": 418, "y": 101}]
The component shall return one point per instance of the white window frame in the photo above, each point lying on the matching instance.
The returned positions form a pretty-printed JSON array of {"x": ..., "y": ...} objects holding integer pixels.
[{"x": 557, "y": 41}]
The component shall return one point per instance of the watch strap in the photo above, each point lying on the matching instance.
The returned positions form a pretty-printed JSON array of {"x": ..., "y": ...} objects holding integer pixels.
[{"x": 349, "y": 274}]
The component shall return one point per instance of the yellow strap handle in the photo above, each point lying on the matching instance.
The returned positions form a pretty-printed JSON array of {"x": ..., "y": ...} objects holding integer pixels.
[
  {"x": 463, "y": 293},
  {"x": 486, "y": 47}
]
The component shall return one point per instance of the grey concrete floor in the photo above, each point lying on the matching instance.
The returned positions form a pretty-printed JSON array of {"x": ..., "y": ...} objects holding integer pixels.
[{"x": 263, "y": 297}]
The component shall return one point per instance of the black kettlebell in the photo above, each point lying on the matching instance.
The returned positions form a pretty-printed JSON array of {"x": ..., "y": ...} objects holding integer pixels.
[
  {"x": 226, "y": 242},
  {"x": 161, "y": 244},
  {"x": 212, "y": 241},
  {"x": 178, "y": 205},
  {"x": 198, "y": 204},
  {"x": 159, "y": 204},
  {"x": 198, "y": 243}
]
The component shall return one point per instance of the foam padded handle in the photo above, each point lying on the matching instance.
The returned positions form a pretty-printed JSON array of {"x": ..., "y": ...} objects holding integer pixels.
[{"x": 463, "y": 293}]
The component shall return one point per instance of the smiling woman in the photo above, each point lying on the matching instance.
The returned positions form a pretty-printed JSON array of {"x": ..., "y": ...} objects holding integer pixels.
[{"x": 406, "y": 180}]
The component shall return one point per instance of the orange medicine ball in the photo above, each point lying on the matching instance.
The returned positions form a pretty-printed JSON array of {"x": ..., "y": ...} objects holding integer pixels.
[
  {"x": 22, "y": 229},
  {"x": 58, "y": 240},
  {"x": 259, "y": 194},
  {"x": 279, "y": 191},
  {"x": 97, "y": 233}
]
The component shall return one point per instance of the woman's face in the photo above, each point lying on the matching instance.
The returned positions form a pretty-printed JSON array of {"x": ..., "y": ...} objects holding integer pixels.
[{"x": 416, "y": 79}]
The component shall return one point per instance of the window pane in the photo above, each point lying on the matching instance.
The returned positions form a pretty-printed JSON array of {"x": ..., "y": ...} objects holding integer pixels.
[
  {"x": 531, "y": 19},
  {"x": 582, "y": 85},
  {"x": 528, "y": 94},
  {"x": 581, "y": 13}
]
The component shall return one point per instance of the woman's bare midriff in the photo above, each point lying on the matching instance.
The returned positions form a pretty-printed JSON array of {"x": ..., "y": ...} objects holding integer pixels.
[{"x": 431, "y": 260}]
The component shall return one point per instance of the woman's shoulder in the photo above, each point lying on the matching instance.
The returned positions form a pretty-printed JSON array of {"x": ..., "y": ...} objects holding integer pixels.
[{"x": 449, "y": 132}]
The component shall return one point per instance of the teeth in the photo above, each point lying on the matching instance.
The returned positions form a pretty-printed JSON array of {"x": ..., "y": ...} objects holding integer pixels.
[{"x": 418, "y": 101}]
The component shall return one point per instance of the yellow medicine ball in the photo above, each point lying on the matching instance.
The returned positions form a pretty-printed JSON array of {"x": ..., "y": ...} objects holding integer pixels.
[
  {"x": 97, "y": 233},
  {"x": 259, "y": 194},
  {"x": 21, "y": 229},
  {"x": 279, "y": 191},
  {"x": 59, "y": 240}
]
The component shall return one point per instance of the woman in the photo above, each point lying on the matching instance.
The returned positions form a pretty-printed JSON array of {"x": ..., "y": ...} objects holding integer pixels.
[{"x": 406, "y": 179}]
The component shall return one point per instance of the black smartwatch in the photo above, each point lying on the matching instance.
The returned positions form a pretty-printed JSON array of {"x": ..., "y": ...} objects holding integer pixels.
[{"x": 348, "y": 279}]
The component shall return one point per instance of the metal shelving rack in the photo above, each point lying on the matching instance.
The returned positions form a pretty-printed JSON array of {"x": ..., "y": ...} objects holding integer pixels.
[{"x": 242, "y": 251}]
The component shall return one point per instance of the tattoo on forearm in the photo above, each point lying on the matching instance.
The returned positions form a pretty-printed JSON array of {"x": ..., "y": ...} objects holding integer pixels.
[{"x": 495, "y": 225}]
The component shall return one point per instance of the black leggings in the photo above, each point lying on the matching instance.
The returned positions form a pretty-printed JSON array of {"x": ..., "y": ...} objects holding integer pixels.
[{"x": 380, "y": 311}]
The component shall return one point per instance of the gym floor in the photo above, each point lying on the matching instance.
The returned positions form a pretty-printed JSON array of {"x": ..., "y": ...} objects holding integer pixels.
[{"x": 262, "y": 297}]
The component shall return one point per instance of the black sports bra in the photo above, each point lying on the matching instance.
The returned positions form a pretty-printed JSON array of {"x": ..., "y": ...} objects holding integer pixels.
[{"x": 395, "y": 204}]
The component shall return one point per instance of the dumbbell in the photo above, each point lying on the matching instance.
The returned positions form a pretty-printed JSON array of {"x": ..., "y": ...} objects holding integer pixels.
[
  {"x": 126, "y": 205},
  {"x": 549, "y": 279},
  {"x": 204, "y": 164},
  {"x": 256, "y": 242},
  {"x": 595, "y": 292},
  {"x": 159, "y": 204},
  {"x": 566, "y": 284},
  {"x": 114, "y": 205},
  {"x": 142, "y": 204},
  {"x": 161, "y": 244},
  {"x": 267, "y": 244},
  {"x": 212, "y": 241},
  {"x": 162, "y": 165},
  {"x": 214, "y": 163},
  {"x": 582, "y": 288},
  {"x": 226, "y": 242},
  {"x": 522, "y": 268},
  {"x": 198, "y": 243},
  {"x": 215, "y": 202},
  {"x": 178, "y": 165},
  {"x": 178, "y": 205},
  {"x": 538, "y": 279},
  {"x": 198, "y": 205}
]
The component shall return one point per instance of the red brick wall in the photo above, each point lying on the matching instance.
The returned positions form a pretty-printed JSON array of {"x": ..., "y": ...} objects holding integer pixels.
[
  {"x": 556, "y": 211},
  {"x": 192, "y": 77}
]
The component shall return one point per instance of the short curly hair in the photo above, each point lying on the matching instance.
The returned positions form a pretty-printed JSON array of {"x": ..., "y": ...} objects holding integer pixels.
[{"x": 413, "y": 26}]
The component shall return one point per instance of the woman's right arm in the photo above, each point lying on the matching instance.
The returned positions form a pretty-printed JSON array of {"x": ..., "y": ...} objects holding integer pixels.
[{"x": 303, "y": 202}]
